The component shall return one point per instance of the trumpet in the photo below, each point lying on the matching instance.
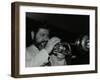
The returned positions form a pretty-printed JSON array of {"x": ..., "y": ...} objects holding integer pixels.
[{"x": 81, "y": 43}]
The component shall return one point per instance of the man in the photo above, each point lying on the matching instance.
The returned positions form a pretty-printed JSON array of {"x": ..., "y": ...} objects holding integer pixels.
[{"x": 37, "y": 55}]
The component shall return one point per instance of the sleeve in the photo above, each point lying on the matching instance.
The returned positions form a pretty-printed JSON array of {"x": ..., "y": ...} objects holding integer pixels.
[{"x": 40, "y": 58}]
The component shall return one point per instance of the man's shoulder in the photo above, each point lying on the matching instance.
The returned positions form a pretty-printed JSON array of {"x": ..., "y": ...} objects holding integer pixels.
[{"x": 31, "y": 48}]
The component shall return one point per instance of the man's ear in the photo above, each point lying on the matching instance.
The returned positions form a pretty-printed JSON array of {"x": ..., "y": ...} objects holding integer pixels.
[{"x": 32, "y": 35}]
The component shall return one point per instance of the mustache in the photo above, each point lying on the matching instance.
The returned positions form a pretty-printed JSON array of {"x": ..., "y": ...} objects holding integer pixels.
[{"x": 42, "y": 44}]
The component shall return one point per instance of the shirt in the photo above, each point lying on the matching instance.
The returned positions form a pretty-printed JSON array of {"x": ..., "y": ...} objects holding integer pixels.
[{"x": 34, "y": 57}]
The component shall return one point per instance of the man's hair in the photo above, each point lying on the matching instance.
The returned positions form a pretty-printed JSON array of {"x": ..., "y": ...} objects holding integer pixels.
[{"x": 39, "y": 26}]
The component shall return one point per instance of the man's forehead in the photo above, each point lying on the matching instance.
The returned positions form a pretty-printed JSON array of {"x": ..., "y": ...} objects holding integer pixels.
[{"x": 43, "y": 29}]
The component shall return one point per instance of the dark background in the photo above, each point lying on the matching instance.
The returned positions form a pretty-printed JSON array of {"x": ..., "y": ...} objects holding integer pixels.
[{"x": 65, "y": 26}]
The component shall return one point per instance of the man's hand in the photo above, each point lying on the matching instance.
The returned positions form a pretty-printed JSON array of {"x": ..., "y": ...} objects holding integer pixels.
[{"x": 51, "y": 43}]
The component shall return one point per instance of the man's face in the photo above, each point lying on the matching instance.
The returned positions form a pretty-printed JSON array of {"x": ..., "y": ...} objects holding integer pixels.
[{"x": 42, "y": 35}]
